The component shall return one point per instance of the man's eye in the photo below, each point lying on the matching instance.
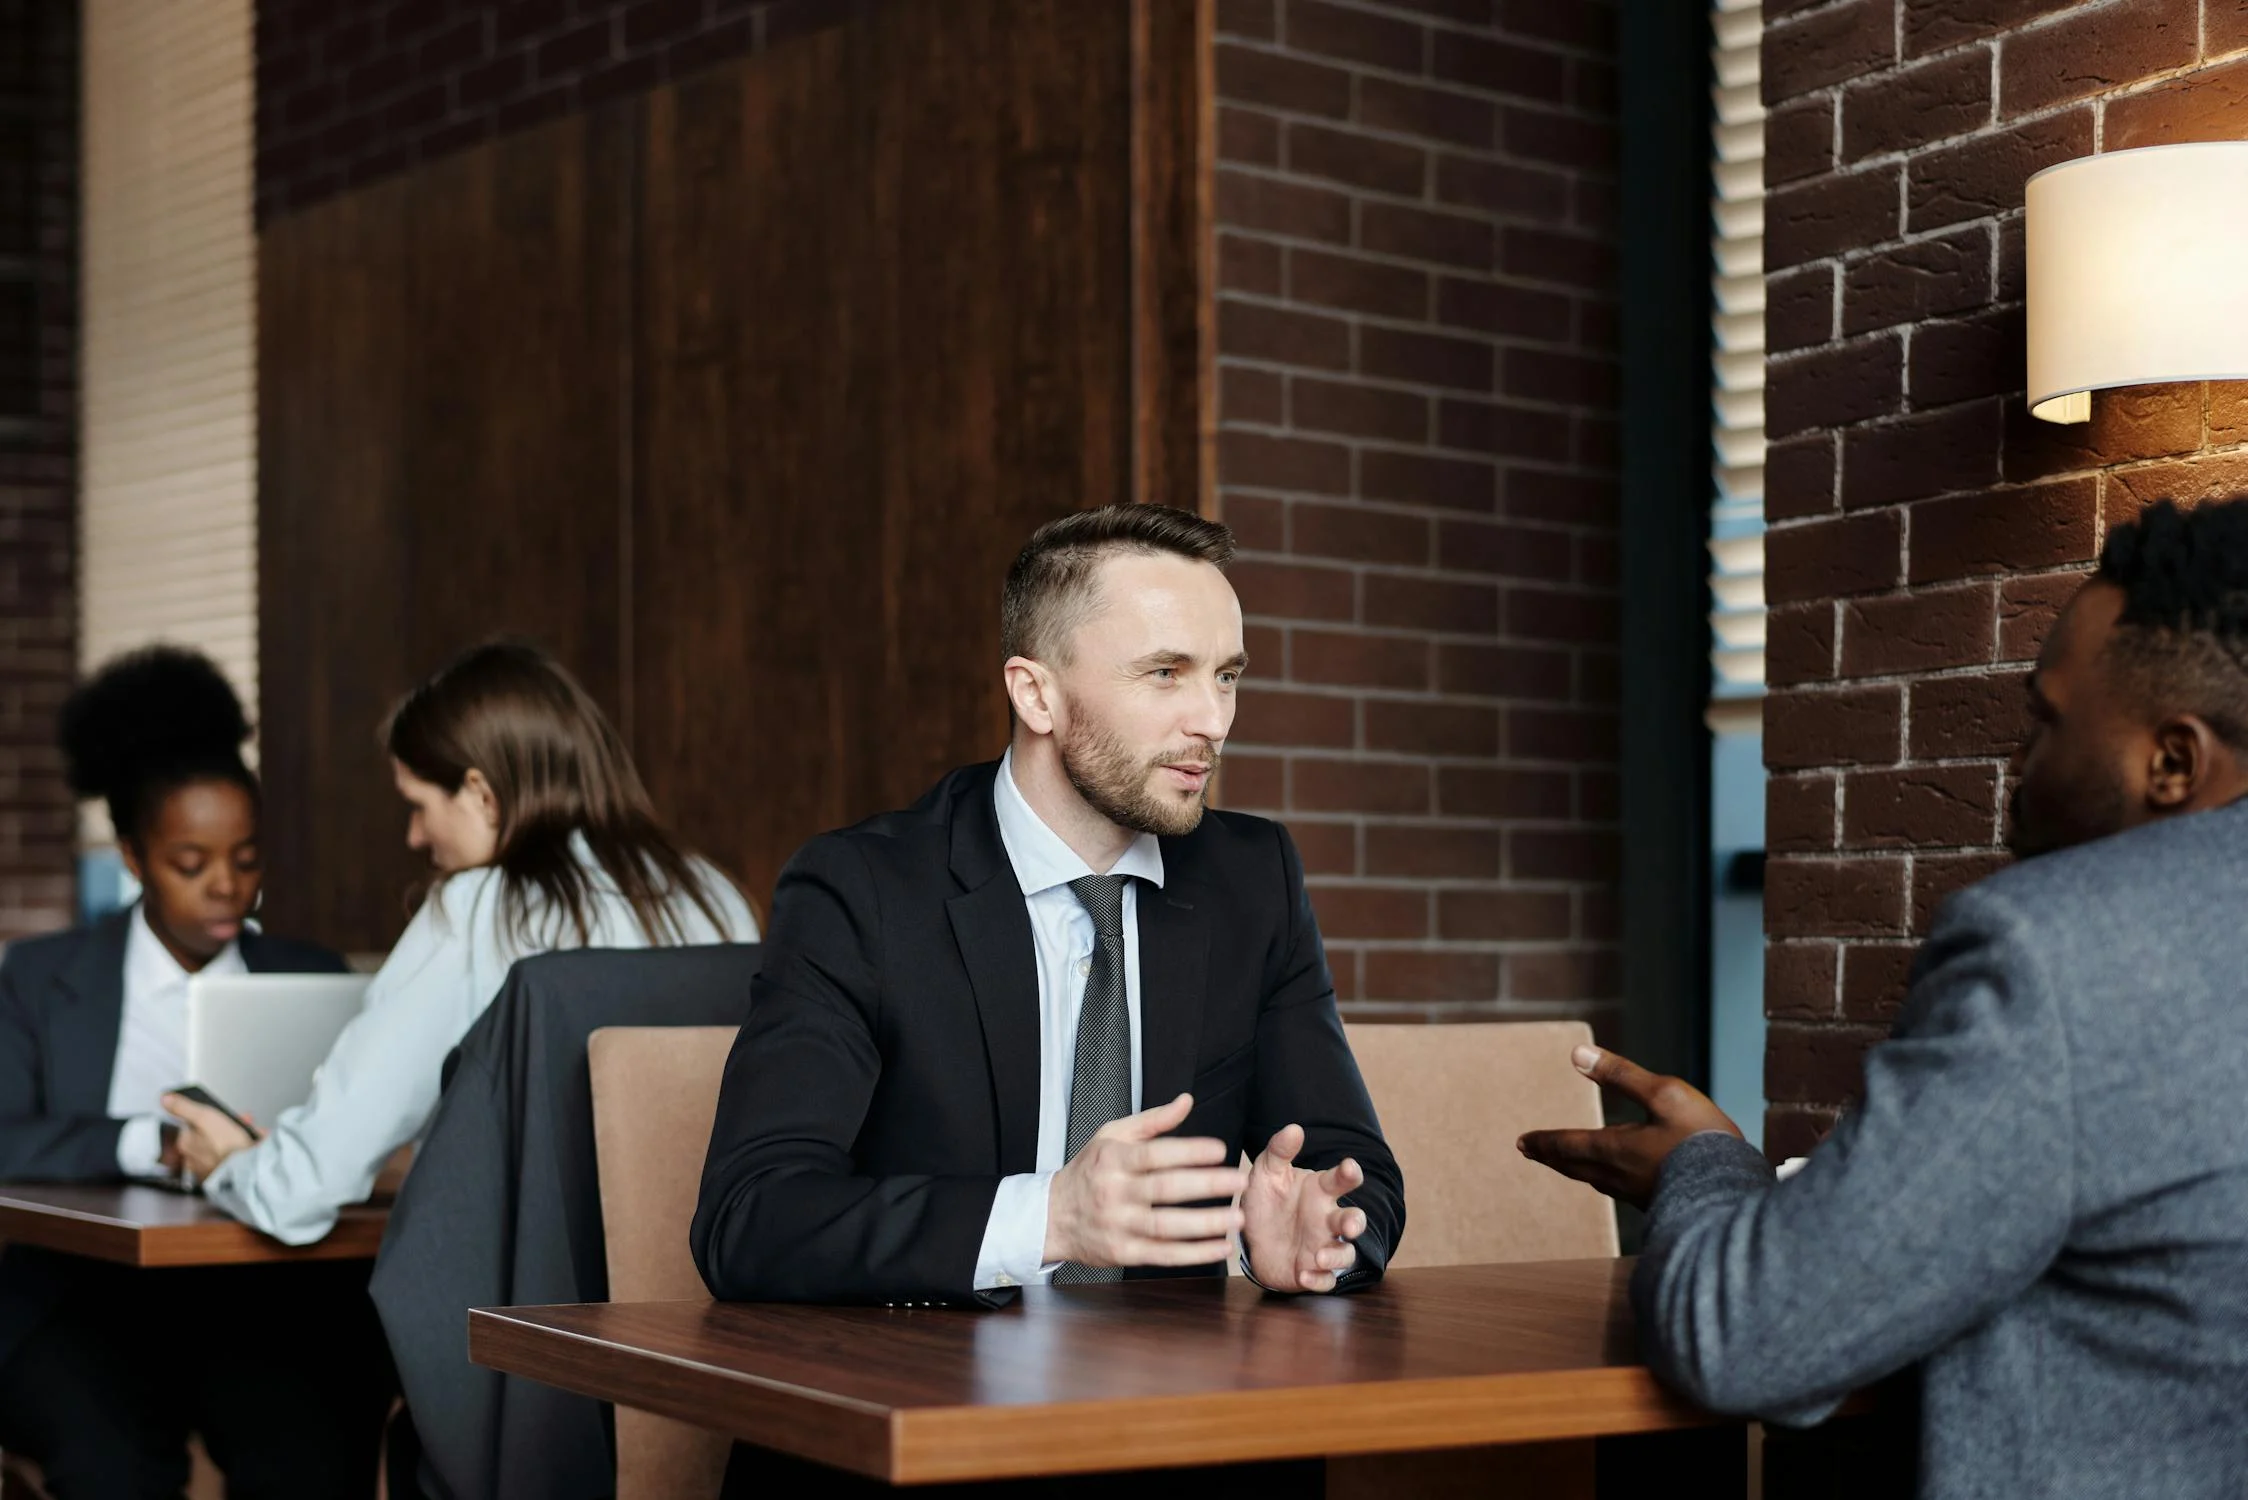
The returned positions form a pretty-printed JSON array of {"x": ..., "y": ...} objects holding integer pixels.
[
  {"x": 1229, "y": 678},
  {"x": 1166, "y": 673}
]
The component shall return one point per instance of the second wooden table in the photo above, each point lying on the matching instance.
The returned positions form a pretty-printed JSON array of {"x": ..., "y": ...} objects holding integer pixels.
[{"x": 134, "y": 1225}]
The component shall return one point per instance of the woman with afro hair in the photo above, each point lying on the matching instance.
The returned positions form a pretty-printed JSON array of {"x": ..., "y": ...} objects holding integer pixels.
[{"x": 290, "y": 1379}]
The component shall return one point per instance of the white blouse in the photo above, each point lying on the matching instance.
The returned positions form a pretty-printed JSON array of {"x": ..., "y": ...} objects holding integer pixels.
[{"x": 379, "y": 1085}]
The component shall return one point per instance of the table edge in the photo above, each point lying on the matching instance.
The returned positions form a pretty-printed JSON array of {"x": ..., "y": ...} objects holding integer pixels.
[{"x": 928, "y": 1444}]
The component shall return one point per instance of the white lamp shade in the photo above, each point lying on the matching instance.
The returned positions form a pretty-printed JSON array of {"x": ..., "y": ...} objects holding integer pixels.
[{"x": 2137, "y": 272}]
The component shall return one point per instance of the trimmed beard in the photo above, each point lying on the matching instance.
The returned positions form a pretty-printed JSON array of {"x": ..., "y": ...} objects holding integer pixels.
[{"x": 1115, "y": 785}]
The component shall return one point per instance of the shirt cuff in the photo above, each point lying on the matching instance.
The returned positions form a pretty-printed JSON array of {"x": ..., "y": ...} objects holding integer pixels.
[
  {"x": 1015, "y": 1235},
  {"x": 140, "y": 1146}
]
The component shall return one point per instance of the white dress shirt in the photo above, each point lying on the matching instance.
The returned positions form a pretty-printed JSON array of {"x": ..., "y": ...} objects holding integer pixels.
[
  {"x": 1014, "y": 1242},
  {"x": 380, "y": 1082},
  {"x": 152, "y": 1041}
]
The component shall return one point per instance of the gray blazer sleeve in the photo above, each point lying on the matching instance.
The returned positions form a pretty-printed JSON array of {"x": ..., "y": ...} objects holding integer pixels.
[{"x": 1939, "y": 1199}]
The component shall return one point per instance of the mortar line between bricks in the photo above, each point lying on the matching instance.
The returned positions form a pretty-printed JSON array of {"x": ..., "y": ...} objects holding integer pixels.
[
  {"x": 1592, "y": 234},
  {"x": 1287, "y": 302},
  {"x": 1565, "y": 51}
]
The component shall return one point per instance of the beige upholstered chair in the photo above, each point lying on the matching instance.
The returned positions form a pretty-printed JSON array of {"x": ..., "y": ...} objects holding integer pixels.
[
  {"x": 1452, "y": 1099},
  {"x": 655, "y": 1093}
]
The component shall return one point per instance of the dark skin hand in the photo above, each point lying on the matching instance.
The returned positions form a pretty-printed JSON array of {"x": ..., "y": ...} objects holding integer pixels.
[{"x": 1625, "y": 1161}]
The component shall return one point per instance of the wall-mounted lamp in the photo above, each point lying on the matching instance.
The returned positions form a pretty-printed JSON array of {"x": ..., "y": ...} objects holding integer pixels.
[{"x": 2137, "y": 266}]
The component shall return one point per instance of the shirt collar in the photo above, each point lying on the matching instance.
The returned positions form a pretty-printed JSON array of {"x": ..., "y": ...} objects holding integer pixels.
[
  {"x": 149, "y": 965},
  {"x": 1040, "y": 857}
]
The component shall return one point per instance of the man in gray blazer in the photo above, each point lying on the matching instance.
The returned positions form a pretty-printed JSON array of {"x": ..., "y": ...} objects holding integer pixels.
[{"x": 2042, "y": 1200}]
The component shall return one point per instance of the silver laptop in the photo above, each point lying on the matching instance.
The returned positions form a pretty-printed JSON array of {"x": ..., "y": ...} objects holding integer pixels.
[{"x": 254, "y": 1041}]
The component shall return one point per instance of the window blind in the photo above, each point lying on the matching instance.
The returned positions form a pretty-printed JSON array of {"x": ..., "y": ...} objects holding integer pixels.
[
  {"x": 1736, "y": 543},
  {"x": 168, "y": 472}
]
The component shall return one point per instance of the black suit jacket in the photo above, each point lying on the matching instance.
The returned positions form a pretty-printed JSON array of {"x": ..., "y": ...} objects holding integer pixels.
[
  {"x": 62, "y": 1000},
  {"x": 887, "y": 1077}
]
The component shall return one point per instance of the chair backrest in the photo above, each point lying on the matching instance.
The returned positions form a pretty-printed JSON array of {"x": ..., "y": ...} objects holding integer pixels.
[
  {"x": 655, "y": 1094},
  {"x": 1452, "y": 1099}
]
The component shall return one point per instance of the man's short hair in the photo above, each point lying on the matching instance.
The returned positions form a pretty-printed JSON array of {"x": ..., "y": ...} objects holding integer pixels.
[
  {"x": 2181, "y": 642},
  {"x": 1050, "y": 589}
]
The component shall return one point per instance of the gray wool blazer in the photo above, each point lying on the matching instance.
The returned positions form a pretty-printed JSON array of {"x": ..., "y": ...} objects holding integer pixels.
[{"x": 2042, "y": 1201}]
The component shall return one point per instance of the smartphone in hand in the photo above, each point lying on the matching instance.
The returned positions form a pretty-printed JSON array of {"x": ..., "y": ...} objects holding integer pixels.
[{"x": 196, "y": 1093}]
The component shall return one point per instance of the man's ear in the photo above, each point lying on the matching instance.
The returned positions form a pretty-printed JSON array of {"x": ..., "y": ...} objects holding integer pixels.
[
  {"x": 132, "y": 861},
  {"x": 2185, "y": 750},
  {"x": 1030, "y": 691}
]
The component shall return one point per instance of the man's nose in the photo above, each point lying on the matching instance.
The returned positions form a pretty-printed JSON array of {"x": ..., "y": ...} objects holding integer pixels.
[{"x": 1210, "y": 716}]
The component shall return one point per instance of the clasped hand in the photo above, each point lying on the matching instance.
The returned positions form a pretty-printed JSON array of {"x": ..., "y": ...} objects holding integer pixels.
[
  {"x": 207, "y": 1137},
  {"x": 1119, "y": 1203}
]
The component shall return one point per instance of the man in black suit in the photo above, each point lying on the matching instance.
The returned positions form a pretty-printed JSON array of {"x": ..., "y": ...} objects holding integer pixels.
[{"x": 1025, "y": 1029}]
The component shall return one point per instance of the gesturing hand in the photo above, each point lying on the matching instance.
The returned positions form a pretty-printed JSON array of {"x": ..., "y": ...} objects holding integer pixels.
[
  {"x": 1298, "y": 1235},
  {"x": 1624, "y": 1161},
  {"x": 207, "y": 1137},
  {"x": 1112, "y": 1205}
]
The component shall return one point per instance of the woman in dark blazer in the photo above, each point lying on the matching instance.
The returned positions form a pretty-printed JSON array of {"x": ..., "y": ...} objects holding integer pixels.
[{"x": 105, "y": 1370}]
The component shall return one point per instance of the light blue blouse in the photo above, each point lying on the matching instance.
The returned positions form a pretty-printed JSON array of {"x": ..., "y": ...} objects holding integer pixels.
[{"x": 379, "y": 1085}]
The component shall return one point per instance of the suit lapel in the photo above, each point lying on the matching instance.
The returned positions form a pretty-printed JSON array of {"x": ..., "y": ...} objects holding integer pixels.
[
  {"x": 1174, "y": 967},
  {"x": 992, "y": 926},
  {"x": 84, "y": 1023}
]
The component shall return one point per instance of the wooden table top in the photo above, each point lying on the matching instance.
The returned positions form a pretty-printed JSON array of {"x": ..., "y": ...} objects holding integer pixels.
[
  {"x": 1084, "y": 1379},
  {"x": 135, "y": 1225}
]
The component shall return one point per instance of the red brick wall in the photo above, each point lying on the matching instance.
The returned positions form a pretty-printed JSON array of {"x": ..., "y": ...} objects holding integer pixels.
[
  {"x": 1924, "y": 528},
  {"x": 1417, "y": 347},
  {"x": 38, "y": 454},
  {"x": 353, "y": 90}
]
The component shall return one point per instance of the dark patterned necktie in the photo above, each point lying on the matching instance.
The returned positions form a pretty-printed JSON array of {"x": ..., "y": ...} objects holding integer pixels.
[{"x": 1100, "y": 1083}]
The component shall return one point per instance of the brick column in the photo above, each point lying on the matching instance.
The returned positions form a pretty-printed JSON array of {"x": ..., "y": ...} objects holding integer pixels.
[
  {"x": 1417, "y": 338},
  {"x": 38, "y": 457},
  {"x": 1924, "y": 529}
]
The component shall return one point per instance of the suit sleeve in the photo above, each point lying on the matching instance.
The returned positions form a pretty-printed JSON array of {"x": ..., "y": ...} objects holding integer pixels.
[
  {"x": 36, "y": 1146},
  {"x": 784, "y": 1216},
  {"x": 1306, "y": 1076},
  {"x": 1947, "y": 1193}
]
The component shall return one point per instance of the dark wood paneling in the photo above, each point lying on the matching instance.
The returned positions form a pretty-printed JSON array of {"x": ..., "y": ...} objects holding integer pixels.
[
  {"x": 740, "y": 397},
  {"x": 333, "y": 610},
  {"x": 887, "y": 329},
  {"x": 1174, "y": 253},
  {"x": 442, "y": 446},
  {"x": 520, "y": 268}
]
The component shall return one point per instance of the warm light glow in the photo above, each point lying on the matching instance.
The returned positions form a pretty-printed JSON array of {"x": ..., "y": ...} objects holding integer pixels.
[{"x": 2137, "y": 265}]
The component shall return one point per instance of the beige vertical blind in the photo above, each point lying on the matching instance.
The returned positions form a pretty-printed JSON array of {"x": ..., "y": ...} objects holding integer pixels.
[
  {"x": 168, "y": 467},
  {"x": 1737, "y": 375}
]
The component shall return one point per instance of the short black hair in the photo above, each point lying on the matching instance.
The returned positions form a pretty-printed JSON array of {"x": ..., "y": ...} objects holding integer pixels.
[
  {"x": 2181, "y": 640},
  {"x": 145, "y": 725},
  {"x": 1048, "y": 589}
]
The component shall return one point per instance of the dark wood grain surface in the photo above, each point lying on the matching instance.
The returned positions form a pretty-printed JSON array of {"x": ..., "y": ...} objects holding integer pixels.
[
  {"x": 145, "y": 1226},
  {"x": 1141, "y": 1375},
  {"x": 740, "y": 396}
]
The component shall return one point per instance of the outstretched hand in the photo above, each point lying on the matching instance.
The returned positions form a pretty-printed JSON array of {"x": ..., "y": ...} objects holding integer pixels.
[
  {"x": 1297, "y": 1231},
  {"x": 1625, "y": 1161}
]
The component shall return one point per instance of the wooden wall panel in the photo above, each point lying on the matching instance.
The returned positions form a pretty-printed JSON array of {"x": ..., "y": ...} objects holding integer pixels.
[
  {"x": 333, "y": 612},
  {"x": 520, "y": 265},
  {"x": 740, "y": 397},
  {"x": 442, "y": 452},
  {"x": 887, "y": 330}
]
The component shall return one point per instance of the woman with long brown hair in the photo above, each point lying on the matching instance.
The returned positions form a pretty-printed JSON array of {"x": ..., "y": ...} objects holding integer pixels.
[{"x": 542, "y": 837}]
